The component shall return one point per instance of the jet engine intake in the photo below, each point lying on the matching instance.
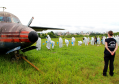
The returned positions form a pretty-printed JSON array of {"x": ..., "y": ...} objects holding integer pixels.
[{"x": 33, "y": 36}]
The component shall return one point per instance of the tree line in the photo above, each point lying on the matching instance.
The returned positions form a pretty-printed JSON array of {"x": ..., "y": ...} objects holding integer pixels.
[
  {"x": 100, "y": 35},
  {"x": 53, "y": 35}
]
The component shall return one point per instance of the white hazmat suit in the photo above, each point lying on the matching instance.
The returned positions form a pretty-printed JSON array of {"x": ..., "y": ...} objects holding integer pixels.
[
  {"x": 92, "y": 41},
  {"x": 117, "y": 39},
  {"x": 80, "y": 43},
  {"x": 48, "y": 42},
  {"x": 52, "y": 43},
  {"x": 88, "y": 40},
  {"x": 60, "y": 42},
  {"x": 73, "y": 41},
  {"x": 38, "y": 44},
  {"x": 85, "y": 40},
  {"x": 67, "y": 42},
  {"x": 98, "y": 40},
  {"x": 103, "y": 42}
]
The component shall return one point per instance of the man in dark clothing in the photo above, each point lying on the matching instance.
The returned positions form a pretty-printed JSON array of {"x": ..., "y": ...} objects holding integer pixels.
[
  {"x": 95, "y": 39},
  {"x": 109, "y": 53}
]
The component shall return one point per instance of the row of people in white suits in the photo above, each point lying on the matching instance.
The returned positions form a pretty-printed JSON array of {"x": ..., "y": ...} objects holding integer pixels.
[
  {"x": 85, "y": 40},
  {"x": 50, "y": 42},
  {"x": 72, "y": 41}
]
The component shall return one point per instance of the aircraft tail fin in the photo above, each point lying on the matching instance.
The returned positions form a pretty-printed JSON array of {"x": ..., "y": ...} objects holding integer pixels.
[{"x": 30, "y": 21}]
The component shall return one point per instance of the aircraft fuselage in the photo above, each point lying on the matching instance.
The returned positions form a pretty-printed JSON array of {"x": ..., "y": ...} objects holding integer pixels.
[{"x": 15, "y": 34}]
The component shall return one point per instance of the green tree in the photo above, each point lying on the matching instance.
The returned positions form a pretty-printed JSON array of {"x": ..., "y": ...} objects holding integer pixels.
[
  {"x": 39, "y": 34},
  {"x": 51, "y": 34}
]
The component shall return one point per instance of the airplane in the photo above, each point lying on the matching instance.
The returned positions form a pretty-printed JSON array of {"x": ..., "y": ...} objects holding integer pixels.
[{"x": 15, "y": 36}]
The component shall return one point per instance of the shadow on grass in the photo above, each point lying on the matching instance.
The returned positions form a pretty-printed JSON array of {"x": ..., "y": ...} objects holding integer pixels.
[{"x": 7, "y": 59}]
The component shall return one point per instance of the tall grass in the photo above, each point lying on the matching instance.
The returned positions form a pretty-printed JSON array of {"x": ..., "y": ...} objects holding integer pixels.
[{"x": 66, "y": 65}]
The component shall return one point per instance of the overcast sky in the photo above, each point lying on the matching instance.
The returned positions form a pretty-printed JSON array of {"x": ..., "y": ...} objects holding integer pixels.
[{"x": 72, "y": 15}]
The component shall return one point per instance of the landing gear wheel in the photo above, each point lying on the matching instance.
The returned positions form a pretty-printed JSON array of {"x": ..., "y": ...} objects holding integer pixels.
[{"x": 13, "y": 59}]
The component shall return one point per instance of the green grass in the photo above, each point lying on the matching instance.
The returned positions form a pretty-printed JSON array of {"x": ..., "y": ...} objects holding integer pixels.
[{"x": 67, "y": 65}]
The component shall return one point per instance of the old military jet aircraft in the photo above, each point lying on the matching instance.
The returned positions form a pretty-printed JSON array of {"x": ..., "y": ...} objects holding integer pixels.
[{"x": 15, "y": 36}]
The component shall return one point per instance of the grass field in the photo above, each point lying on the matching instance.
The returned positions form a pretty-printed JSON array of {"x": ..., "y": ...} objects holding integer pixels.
[{"x": 67, "y": 65}]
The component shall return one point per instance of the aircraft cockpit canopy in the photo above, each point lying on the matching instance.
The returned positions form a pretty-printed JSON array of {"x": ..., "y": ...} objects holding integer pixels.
[
  {"x": 16, "y": 20},
  {"x": 5, "y": 19},
  {"x": 8, "y": 17}
]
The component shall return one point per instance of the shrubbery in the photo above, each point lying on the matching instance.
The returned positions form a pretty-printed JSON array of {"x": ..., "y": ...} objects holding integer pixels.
[{"x": 52, "y": 35}]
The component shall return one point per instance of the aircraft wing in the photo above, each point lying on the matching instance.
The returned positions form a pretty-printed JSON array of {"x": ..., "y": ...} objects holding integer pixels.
[{"x": 44, "y": 28}]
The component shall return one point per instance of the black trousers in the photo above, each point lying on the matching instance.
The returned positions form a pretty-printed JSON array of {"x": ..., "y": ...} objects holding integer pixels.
[{"x": 107, "y": 59}]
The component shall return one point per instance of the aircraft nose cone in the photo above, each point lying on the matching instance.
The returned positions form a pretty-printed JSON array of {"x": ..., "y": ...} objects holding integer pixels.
[{"x": 33, "y": 36}]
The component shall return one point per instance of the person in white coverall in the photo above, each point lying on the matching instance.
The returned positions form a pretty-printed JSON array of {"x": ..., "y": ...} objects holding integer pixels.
[
  {"x": 38, "y": 44},
  {"x": 48, "y": 42},
  {"x": 92, "y": 41},
  {"x": 73, "y": 41},
  {"x": 80, "y": 43},
  {"x": 60, "y": 42},
  {"x": 88, "y": 40},
  {"x": 104, "y": 40},
  {"x": 85, "y": 40},
  {"x": 67, "y": 42},
  {"x": 98, "y": 40},
  {"x": 52, "y": 43}
]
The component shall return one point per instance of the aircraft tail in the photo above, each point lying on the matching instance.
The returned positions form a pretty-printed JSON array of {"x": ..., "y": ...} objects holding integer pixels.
[{"x": 30, "y": 21}]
